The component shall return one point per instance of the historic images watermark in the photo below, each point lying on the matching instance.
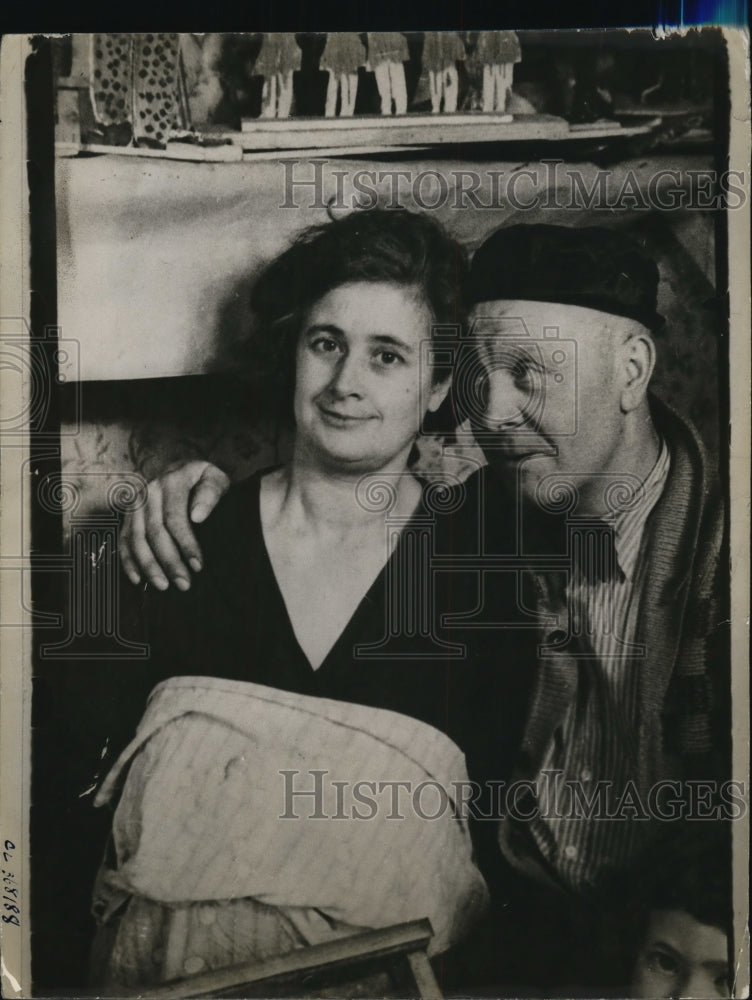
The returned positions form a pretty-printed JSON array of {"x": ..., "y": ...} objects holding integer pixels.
[
  {"x": 307, "y": 184},
  {"x": 317, "y": 794},
  {"x": 39, "y": 367}
]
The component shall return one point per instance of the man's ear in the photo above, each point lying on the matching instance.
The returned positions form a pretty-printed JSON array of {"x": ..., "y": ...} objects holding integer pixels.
[
  {"x": 439, "y": 393},
  {"x": 638, "y": 361}
]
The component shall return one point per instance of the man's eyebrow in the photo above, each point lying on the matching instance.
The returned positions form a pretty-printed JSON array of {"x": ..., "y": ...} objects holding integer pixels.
[{"x": 515, "y": 352}]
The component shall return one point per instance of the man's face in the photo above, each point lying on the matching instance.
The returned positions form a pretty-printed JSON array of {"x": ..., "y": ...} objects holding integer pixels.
[
  {"x": 550, "y": 389},
  {"x": 680, "y": 957}
]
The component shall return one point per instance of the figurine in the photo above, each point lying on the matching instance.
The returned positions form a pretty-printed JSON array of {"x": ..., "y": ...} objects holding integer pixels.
[
  {"x": 387, "y": 53},
  {"x": 111, "y": 79},
  {"x": 497, "y": 51},
  {"x": 278, "y": 58},
  {"x": 442, "y": 50},
  {"x": 200, "y": 54},
  {"x": 135, "y": 86},
  {"x": 343, "y": 54}
]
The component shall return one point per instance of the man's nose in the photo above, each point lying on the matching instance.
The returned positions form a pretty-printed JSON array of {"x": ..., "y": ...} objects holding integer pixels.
[
  {"x": 347, "y": 377},
  {"x": 505, "y": 404}
]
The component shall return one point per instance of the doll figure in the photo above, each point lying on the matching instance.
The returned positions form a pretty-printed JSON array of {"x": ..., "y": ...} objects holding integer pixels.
[
  {"x": 343, "y": 54},
  {"x": 135, "y": 84},
  {"x": 278, "y": 58},
  {"x": 442, "y": 50},
  {"x": 387, "y": 53},
  {"x": 200, "y": 53},
  {"x": 497, "y": 51}
]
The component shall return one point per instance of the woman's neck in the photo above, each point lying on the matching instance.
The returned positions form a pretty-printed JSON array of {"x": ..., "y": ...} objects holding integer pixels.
[{"x": 341, "y": 502}]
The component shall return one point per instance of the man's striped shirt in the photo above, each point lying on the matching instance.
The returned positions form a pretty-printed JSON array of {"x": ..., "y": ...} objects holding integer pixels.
[{"x": 597, "y": 741}]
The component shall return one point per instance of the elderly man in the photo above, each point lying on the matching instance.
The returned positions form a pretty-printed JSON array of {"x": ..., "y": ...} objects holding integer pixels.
[
  {"x": 608, "y": 499},
  {"x": 631, "y": 677}
]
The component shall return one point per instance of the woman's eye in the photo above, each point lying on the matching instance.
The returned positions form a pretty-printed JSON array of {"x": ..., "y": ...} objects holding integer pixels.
[
  {"x": 663, "y": 962},
  {"x": 324, "y": 345}
]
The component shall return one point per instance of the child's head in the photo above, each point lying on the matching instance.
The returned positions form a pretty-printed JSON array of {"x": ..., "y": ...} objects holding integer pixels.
[
  {"x": 681, "y": 956},
  {"x": 676, "y": 914}
]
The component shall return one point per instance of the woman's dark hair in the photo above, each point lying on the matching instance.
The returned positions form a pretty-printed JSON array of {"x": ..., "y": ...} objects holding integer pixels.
[{"x": 377, "y": 245}]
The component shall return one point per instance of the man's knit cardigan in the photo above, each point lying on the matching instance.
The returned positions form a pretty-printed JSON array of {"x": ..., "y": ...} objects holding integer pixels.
[{"x": 684, "y": 721}]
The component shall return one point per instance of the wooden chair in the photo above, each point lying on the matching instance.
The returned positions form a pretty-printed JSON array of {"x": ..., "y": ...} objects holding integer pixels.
[{"x": 387, "y": 962}]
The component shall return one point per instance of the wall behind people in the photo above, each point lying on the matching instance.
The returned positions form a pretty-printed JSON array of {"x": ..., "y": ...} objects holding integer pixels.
[{"x": 177, "y": 245}]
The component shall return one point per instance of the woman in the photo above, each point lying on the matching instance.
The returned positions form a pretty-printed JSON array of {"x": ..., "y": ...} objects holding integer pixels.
[{"x": 317, "y": 614}]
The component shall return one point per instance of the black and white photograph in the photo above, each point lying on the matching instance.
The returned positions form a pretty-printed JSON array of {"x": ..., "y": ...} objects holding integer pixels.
[{"x": 375, "y": 547}]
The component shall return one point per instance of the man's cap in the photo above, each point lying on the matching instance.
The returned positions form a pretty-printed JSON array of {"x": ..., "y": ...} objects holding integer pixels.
[{"x": 592, "y": 267}]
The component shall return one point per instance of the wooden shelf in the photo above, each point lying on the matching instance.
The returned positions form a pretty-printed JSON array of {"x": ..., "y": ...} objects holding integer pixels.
[
  {"x": 405, "y": 130},
  {"x": 263, "y": 139},
  {"x": 227, "y": 152}
]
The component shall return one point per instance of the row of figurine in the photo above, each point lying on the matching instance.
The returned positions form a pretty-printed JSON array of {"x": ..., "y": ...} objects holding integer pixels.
[
  {"x": 147, "y": 86},
  {"x": 385, "y": 54}
]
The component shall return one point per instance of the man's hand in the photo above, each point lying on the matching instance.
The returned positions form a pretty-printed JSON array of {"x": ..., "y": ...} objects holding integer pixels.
[{"x": 157, "y": 540}]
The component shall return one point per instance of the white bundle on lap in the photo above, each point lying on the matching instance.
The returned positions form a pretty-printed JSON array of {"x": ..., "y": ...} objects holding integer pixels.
[{"x": 206, "y": 816}]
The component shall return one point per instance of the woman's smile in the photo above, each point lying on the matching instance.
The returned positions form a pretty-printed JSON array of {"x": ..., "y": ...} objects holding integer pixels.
[{"x": 338, "y": 418}]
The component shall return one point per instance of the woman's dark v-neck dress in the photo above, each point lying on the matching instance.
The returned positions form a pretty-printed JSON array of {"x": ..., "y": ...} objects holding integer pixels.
[
  {"x": 233, "y": 624},
  {"x": 394, "y": 653}
]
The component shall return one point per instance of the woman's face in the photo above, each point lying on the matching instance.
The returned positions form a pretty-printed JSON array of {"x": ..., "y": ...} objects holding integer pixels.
[{"x": 363, "y": 380}]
